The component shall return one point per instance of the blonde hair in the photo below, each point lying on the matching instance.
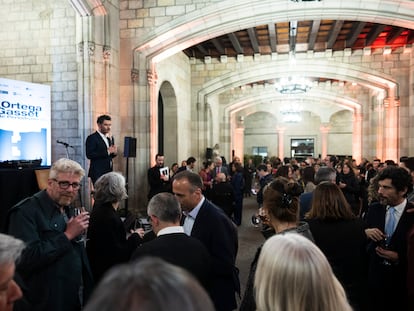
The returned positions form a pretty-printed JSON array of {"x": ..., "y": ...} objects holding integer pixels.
[{"x": 293, "y": 275}]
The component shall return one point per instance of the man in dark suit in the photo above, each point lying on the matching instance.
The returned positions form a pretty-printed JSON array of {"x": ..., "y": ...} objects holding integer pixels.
[
  {"x": 387, "y": 229},
  {"x": 158, "y": 182},
  {"x": 190, "y": 165},
  {"x": 219, "y": 168},
  {"x": 100, "y": 149},
  {"x": 215, "y": 230},
  {"x": 172, "y": 244},
  {"x": 222, "y": 194}
]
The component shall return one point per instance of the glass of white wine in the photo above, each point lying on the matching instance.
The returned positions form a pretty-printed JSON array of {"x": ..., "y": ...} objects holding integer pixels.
[{"x": 82, "y": 237}]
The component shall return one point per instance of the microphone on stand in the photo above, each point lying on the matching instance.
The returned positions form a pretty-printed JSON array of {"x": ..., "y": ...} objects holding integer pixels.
[
  {"x": 64, "y": 144},
  {"x": 112, "y": 141}
]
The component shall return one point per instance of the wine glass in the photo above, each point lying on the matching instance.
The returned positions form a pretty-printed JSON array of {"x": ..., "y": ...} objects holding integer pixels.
[
  {"x": 82, "y": 237},
  {"x": 384, "y": 244},
  {"x": 259, "y": 217}
]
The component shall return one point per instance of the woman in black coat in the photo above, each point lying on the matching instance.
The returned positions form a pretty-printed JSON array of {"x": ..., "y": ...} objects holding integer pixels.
[
  {"x": 349, "y": 184},
  {"x": 341, "y": 237},
  {"x": 107, "y": 243}
]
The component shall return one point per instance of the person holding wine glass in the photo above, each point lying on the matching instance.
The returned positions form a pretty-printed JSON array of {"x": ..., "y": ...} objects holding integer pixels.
[
  {"x": 388, "y": 262},
  {"x": 107, "y": 242},
  {"x": 53, "y": 266},
  {"x": 280, "y": 212}
]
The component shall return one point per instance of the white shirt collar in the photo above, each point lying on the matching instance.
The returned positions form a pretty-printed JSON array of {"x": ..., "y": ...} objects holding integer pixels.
[
  {"x": 169, "y": 230},
  {"x": 105, "y": 138}
]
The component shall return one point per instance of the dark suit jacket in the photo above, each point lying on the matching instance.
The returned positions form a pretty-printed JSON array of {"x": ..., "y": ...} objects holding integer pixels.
[
  {"x": 223, "y": 196},
  {"x": 181, "y": 250},
  {"x": 223, "y": 170},
  {"x": 156, "y": 184},
  {"x": 305, "y": 204},
  {"x": 107, "y": 244},
  {"x": 389, "y": 282},
  {"x": 216, "y": 231},
  {"x": 97, "y": 152}
]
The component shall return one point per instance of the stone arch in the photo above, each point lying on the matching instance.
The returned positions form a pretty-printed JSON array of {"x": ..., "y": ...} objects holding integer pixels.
[
  {"x": 364, "y": 76},
  {"x": 229, "y": 16},
  {"x": 219, "y": 18},
  {"x": 170, "y": 114}
]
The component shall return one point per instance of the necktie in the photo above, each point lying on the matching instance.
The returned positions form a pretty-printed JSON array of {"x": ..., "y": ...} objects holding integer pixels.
[{"x": 390, "y": 225}]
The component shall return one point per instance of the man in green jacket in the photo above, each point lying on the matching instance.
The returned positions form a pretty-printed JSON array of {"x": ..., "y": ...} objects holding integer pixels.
[{"x": 54, "y": 267}]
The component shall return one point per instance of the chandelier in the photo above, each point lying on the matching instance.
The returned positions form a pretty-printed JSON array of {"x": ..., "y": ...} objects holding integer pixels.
[
  {"x": 291, "y": 113},
  {"x": 293, "y": 85}
]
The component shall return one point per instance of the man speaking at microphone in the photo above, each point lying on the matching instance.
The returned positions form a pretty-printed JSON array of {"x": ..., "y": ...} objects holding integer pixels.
[{"x": 100, "y": 149}]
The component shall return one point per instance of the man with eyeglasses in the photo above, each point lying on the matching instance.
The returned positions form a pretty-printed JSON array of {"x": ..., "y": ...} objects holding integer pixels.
[{"x": 53, "y": 266}]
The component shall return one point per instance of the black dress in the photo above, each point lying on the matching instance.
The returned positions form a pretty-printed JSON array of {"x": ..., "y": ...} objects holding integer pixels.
[
  {"x": 107, "y": 243},
  {"x": 343, "y": 242}
]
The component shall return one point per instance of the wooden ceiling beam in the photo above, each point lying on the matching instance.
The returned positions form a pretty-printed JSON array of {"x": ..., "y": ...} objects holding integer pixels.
[
  {"x": 235, "y": 42},
  {"x": 373, "y": 34},
  {"x": 272, "y": 36},
  {"x": 202, "y": 49},
  {"x": 410, "y": 37},
  {"x": 394, "y": 34},
  {"x": 336, "y": 28},
  {"x": 313, "y": 34},
  {"x": 253, "y": 39},
  {"x": 218, "y": 46},
  {"x": 354, "y": 34}
]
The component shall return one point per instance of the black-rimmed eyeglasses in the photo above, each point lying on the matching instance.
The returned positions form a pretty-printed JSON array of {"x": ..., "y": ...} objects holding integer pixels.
[{"x": 65, "y": 184}]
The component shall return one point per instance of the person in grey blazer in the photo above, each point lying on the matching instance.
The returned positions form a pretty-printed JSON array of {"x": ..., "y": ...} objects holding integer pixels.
[
  {"x": 214, "y": 229},
  {"x": 219, "y": 168}
]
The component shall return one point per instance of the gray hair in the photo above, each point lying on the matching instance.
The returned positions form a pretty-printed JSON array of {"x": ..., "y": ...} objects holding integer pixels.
[
  {"x": 65, "y": 165},
  {"x": 10, "y": 249},
  {"x": 150, "y": 284},
  {"x": 110, "y": 187},
  {"x": 165, "y": 206},
  {"x": 325, "y": 174}
]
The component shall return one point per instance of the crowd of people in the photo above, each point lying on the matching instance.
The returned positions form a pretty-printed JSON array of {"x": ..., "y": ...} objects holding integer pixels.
[{"x": 336, "y": 237}]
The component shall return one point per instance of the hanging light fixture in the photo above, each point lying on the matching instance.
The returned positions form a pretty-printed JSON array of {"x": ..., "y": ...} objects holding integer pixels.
[
  {"x": 291, "y": 113},
  {"x": 293, "y": 85}
]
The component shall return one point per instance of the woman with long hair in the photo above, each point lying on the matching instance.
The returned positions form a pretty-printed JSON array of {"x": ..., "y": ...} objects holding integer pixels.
[
  {"x": 341, "y": 237},
  {"x": 207, "y": 177},
  {"x": 349, "y": 184}
]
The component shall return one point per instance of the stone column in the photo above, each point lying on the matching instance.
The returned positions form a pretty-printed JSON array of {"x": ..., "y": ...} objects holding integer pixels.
[
  {"x": 357, "y": 136},
  {"x": 324, "y": 128},
  {"x": 152, "y": 79},
  {"x": 281, "y": 142},
  {"x": 238, "y": 142},
  {"x": 391, "y": 105}
]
